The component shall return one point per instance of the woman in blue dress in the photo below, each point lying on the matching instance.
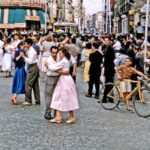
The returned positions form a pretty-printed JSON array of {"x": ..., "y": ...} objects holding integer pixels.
[{"x": 18, "y": 86}]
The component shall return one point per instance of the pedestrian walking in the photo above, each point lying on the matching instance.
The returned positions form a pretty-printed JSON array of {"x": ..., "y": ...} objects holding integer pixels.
[
  {"x": 18, "y": 86},
  {"x": 32, "y": 81}
]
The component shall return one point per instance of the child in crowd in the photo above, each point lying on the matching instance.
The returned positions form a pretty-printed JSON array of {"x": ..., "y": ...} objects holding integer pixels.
[{"x": 125, "y": 72}]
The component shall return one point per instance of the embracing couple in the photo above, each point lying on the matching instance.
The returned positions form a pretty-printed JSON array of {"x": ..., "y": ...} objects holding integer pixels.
[{"x": 60, "y": 88}]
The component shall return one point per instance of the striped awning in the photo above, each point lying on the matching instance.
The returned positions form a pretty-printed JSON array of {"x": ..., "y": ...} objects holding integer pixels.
[
  {"x": 17, "y": 17},
  {"x": 20, "y": 15},
  {"x": 1, "y": 15},
  {"x": 41, "y": 14}
]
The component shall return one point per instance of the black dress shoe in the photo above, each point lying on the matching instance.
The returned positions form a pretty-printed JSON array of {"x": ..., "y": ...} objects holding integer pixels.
[
  {"x": 48, "y": 117},
  {"x": 88, "y": 95},
  {"x": 96, "y": 97},
  {"x": 37, "y": 103},
  {"x": 104, "y": 101}
]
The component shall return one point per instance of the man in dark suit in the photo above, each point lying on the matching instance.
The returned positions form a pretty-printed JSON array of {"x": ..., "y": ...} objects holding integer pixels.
[
  {"x": 95, "y": 70},
  {"x": 109, "y": 65}
]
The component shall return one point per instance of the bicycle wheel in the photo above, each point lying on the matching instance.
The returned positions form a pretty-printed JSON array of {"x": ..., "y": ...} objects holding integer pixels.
[
  {"x": 142, "y": 108},
  {"x": 111, "y": 101}
]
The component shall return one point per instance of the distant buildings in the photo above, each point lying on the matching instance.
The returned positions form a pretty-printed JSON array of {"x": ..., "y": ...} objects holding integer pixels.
[{"x": 124, "y": 15}]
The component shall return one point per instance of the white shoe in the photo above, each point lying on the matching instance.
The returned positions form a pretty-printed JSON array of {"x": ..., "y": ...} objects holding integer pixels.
[
  {"x": 26, "y": 104},
  {"x": 70, "y": 121}
]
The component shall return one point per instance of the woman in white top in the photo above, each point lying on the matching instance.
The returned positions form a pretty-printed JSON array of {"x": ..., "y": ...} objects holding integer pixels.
[
  {"x": 7, "y": 59},
  {"x": 65, "y": 94},
  {"x": 1, "y": 51}
]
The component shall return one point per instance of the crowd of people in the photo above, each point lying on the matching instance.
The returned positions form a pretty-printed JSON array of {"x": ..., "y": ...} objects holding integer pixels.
[{"x": 58, "y": 55}]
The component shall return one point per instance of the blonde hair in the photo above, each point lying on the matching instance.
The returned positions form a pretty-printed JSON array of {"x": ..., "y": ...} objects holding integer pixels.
[{"x": 49, "y": 38}]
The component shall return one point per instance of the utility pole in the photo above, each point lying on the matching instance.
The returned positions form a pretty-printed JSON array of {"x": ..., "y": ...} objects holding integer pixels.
[
  {"x": 109, "y": 7},
  {"x": 106, "y": 14}
]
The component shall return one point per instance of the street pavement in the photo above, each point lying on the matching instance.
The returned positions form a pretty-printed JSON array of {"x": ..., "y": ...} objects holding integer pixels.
[{"x": 24, "y": 128}]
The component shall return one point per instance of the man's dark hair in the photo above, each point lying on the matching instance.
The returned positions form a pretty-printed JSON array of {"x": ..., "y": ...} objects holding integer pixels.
[
  {"x": 139, "y": 23},
  {"x": 88, "y": 45},
  {"x": 108, "y": 37},
  {"x": 95, "y": 45},
  {"x": 53, "y": 47},
  {"x": 29, "y": 41},
  {"x": 8, "y": 40},
  {"x": 73, "y": 40}
]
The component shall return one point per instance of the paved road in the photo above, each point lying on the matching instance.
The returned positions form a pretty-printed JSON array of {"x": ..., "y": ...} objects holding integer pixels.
[{"x": 24, "y": 128}]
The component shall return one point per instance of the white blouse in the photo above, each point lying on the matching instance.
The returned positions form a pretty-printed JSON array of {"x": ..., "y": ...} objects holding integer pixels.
[
  {"x": 63, "y": 64},
  {"x": 9, "y": 49}
]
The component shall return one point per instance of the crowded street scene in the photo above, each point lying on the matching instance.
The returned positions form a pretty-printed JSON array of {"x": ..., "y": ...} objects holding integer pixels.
[{"x": 74, "y": 75}]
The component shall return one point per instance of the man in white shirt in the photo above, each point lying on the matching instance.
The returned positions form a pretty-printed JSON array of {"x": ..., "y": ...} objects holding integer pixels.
[
  {"x": 51, "y": 81},
  {"x": 32, "y": 81},
  {"x": 139, "y": 31}
]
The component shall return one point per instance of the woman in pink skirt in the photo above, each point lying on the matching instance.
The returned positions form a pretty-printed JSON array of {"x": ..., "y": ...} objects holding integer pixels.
[{"x": 65, "y": 94}]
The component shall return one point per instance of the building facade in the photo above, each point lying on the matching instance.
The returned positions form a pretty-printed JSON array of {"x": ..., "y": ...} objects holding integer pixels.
[
  {"x": 24, "y": 14},
  {"x": 79, "y": 14}
]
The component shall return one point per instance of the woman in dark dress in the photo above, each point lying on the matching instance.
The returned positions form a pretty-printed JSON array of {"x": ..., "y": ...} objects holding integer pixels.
[{"x": 18, "y": 86}]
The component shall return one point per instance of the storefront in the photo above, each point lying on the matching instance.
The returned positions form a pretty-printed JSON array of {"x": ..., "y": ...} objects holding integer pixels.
[
  {"x": 116, "y": 25},
  {"x": 24, "y": 16},
  {"x": 124, "y": 24}
]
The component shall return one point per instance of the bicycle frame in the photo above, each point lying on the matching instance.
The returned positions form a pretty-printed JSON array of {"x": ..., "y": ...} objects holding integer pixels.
[{"x": 136, "y": 89}]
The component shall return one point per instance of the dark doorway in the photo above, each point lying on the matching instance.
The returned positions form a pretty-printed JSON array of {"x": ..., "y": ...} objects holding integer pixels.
[{"x": 33, "y": 25}]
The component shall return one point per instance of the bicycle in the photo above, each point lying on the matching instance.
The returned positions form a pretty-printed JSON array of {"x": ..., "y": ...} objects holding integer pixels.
[{"x": 139, "y": 96}]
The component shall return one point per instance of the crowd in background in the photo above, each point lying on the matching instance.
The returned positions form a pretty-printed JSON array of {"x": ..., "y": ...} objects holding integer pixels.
[{"x": 98, "y": 55}]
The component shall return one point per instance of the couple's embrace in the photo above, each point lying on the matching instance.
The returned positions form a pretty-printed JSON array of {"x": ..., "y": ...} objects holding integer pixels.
[{"x": 60, "y": 89}]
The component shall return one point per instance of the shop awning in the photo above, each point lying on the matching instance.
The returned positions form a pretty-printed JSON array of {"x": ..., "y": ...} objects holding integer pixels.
[
  {"x": 1, "y": 15},
  {"x": 20, "y": 15},
  {"x": 40, "y": 13},
  {"x": 11, "y": 16},
  {"x": 16, "y": 18}
]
